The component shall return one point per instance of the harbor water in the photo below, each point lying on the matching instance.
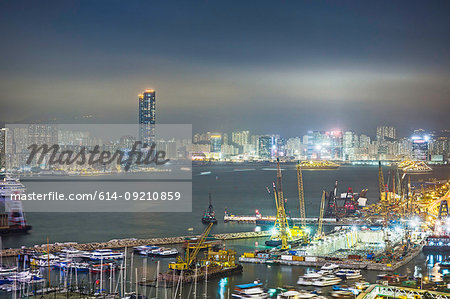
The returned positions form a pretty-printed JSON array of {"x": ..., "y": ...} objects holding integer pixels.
[{"x": 239, "y": 189}]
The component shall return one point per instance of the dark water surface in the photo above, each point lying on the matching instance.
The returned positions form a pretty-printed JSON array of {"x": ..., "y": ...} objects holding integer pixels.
[{"x": 241, "y": 189}]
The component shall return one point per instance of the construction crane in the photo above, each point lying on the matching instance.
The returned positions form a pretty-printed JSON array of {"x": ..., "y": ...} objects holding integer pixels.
[
  {"x": 282, "y": 231},
  {"x": 381, "y": 182},
  {"x": 301, "y": 196},
  {"x": 319, "y": 232},
  {"x": 190, "y": 257}
]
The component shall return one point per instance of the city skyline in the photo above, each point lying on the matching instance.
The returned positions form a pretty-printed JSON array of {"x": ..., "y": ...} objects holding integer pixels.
[{"x": 273, "y": 68}]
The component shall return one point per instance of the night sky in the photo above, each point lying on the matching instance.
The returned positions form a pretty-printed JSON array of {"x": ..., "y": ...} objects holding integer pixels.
[{"x": 267, "y": 66}]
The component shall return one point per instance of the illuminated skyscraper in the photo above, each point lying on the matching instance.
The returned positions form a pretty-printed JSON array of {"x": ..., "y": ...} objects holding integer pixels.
[
  {"x": 386, "y": 131},
  {"x": 216, "y": 143},
  {"x": 240, "y": 137},
  {"x": 420, "y": 142},
  {"x": 147, "y": 116},
  {"x": 265, "y": 147}
]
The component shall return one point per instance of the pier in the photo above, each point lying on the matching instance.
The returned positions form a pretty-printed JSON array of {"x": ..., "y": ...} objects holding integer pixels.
[
  {"x": 126, "y": 243},
  {"x": 316, "y": 261}
]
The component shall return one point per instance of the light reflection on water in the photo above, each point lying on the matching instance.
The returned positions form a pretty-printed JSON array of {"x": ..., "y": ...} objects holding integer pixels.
[{"x": 241, "y": 192}]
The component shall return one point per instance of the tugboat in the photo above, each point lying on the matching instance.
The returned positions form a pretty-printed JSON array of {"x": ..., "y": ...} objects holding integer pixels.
[{"x": 209, "y": 216}]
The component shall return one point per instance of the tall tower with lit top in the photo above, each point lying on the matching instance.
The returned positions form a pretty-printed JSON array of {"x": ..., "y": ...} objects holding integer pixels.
[{"x": 147, "y": 116}]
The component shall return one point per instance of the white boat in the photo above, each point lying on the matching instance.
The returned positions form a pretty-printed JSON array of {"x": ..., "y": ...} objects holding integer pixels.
[
  {"x": 327, "y": 280},
  {"x": 250, "y": 290},
  {"x": 144, "y": 247},
  {"x": 105, "y": 254},
  {"x": 7, "y": 270},
  {"x": 348, "y": 274},
  {"x": 296, "y": 295},
  {"x": 72, "y": 252},
  {"x": 329, "y": 266},
  {"x": 165, "y": 252},
  {"x": 146, "y": 250},
  {"x": 308, "y": 278},
  {"x": 26, "y": 277}
]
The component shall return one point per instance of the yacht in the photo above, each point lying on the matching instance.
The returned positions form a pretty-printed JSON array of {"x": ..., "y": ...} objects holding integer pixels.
[
  {"x": 330, "y": 266},
  {"x": 250, "y": 290},
  {"x": 308, "y": 278},
  {"x": 165, "y": 252},
  {"x": 7, "y": 270},
  {"x": 105, "y": 254},
  {"x": 79, "y": 267},
  {"x": 26, "y": 277},
  {"x": 296, "y": 295},
  {"x": 72, "y": 252},
  {"x": 327, "y": 280},
  {"x": 146, "y": 250},
  {"x": 348, "y": 274}
]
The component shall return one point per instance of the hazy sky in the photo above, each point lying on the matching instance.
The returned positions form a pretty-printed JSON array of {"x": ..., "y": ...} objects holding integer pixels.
[{"x": 268, "y": 66}]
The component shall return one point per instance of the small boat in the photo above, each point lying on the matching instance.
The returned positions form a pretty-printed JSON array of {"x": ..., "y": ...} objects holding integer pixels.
[
  {"x": 159, "y": 251},
  {"x": 72, "y": 252},
  {"x": 79, "y": 267},
  {"x": 105, "y": 254},
  {"x": 292, "y": 294},
  {"x": 329, "y": 266},
  {"x": 7, "y": 270},
  {"x": 145, "y": 250},
  {"x": 26, "y": 277},
  {"x": 250, "y": 290},
  {"x": 166, "y": 252},
  {"x": 308, "y": 278},
  {"x": 102, "y": 268},
  {"x": 209, "y": 216},
  {"x": 327, "y": 280},
  {"x": 342, "y": 294},
  {"x": 348, "y": 274}
]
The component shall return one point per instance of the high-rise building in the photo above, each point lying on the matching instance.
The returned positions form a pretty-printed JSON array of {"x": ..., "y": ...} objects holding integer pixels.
[
  {"x": 225, "y": 138},
  {"x": 294, "y": 147},
  {"x": 215, "y": 143},
  {"x": 386, "y": 131},
  {"x": 147, "y": 116},
  {"x": 420, "y": 142},
  {"x": 265, "y": 147},
  {"x": 240, "y": 137},
  {"x": 2, "y": 147}
]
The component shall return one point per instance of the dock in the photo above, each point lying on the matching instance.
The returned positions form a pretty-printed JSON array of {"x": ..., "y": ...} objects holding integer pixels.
[
  {"x": 317, "y": 261},
  {"x": 126, "y": 243}
]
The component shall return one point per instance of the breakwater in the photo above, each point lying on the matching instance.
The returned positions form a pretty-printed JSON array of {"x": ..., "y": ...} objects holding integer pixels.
[{"x": 125, "y": 243}]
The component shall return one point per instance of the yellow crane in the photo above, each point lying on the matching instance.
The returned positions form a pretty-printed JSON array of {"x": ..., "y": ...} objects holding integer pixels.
[
  {"x": 319, "y": 232},
  {"x": 282, "y": 231},
  {"x": 381, "y": 182},
  {"x": 190, "y": 257},
  {"x": 301, "y": 196}
]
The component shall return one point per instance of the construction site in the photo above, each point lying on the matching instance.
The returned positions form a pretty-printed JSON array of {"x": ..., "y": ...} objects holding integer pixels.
[{"x": 383, "y": 236}]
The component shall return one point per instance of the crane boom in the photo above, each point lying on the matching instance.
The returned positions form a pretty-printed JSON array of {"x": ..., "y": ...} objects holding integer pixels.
[
  {"x": 181, "y": 264},
  {"x": 381, "y": 181},
  {"x": 322, "y": 208},
  {"x": 301, "y": 196}
]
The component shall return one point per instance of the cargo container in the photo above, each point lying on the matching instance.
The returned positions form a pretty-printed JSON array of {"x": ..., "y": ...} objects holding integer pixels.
[
  {"x": 310, "y": 258},
  {"x": 249, "y": 254},
  {"x": 298, "y": 258},
  {"x": 286, "y": 257}
]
